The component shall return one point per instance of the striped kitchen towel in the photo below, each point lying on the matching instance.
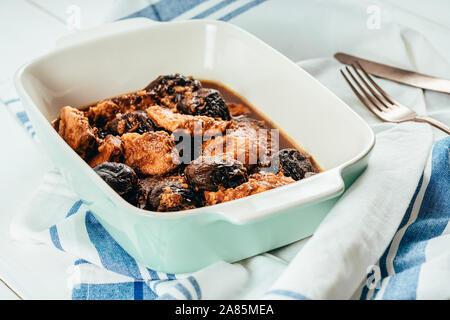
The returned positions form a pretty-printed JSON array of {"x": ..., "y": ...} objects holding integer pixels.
[
  {"x": 105, "y": 270},
  {"x": 415, "y": 265}
]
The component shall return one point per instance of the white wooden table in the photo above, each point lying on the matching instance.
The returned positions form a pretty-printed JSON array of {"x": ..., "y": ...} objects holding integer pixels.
[{"x": 29, "y": 28}]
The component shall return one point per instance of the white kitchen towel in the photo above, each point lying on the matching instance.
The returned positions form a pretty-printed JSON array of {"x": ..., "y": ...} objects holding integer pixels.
[{"x": 375, "y": 227}]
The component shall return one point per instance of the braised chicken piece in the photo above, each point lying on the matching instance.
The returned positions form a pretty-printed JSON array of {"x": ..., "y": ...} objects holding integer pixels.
[
  {"x": 134, "y": 101},
  {"x": 151, "y": 153},
  {"x": 102, "y": 112},
  {"x": 257, "y": 182},
  {"x": 107, "y": 109},
  {"x": 110, "y": 150},
  {"x": 237, "y": 109},
  {"x": 136, "y": 121},
  {"x": 247, "y": 140},
  {"x": 210, "y": 173},
  {"x": 171, "y": 89},
  {"x": 198, "y": 125},
  {"x": 74, "y": 128}
]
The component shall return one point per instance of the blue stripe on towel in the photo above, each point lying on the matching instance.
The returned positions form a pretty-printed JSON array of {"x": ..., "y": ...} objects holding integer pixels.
[
  {"x": 22, "y": 116},
  {"x": 138, "y": 290},
  {"x": 55, "y": 237},
  {"x": 238, "y": 11},
  {"x": 383, "y": 267},
  {"x": 288, "y": 294},
  {"x": 196, "y": 286},
  {"x": 383, "y": 262},
  {"x": 80, "y": 261},
  {"x": 112, "y": 256},
  {"x": 112, "y": 291},
  {"x": 433, "y": 217},
  {"x": 153, "y": 274},
  {"x": 74, "y": 208},
  {"x": 213, "y": 9},
  {"x": 7, "y": 102},
  {"x": 171, "y": 276},
  {"x": 165, "y": 10},
  {"x": 179, "y": 286},
  {"x": 364, "y": 291}
]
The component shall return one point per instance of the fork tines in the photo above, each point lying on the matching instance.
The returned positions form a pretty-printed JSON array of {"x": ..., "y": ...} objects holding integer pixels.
[{"x": 370, "y": 94}]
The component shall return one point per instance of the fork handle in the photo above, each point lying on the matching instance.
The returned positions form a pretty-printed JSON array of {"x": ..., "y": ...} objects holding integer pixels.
[{"x": 433, "y": 122}]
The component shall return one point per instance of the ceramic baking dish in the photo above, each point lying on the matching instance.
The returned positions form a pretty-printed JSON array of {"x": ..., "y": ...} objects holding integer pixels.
[{"x": 125, "y": 56}]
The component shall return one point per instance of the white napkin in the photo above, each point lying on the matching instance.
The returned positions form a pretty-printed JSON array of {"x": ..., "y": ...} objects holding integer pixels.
[{"x": 359, "y": 228}]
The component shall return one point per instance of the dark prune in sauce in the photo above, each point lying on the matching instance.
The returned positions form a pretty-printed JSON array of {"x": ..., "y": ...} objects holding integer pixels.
[
  {"x": 205, "y": 102},
  {"x": 118, "y": 176},
  {"x": 294, "y": 164},
  {"x": 165, "y": 85},
  {"x": 209, "y": 173}
]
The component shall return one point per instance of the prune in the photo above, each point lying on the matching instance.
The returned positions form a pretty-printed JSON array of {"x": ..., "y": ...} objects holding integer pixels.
[
  {"x": 294, "y": 164},
  {"x": 118, "y": 176},
  {"x": 205, "y": 102},
  {"x": 165, "y": 85},
  {"x": 173, "y": 196},
  {"x": 136, "y": 121},
  {"x": 209, "y": 173}
]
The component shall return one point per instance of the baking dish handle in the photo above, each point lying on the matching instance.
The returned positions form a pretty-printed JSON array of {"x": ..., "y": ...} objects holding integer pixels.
[
  {"x": 316, "y": 188},
  {"x": 108, "y": 28}
]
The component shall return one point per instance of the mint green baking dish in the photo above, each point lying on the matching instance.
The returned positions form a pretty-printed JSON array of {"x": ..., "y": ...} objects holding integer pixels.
[{"x": 92, "y": 65}]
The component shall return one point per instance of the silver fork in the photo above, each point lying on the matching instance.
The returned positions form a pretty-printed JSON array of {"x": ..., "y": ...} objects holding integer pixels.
[{"x": 382, "y": 104}]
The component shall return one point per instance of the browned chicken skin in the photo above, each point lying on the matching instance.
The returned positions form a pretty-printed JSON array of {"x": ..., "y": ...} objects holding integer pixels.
[
  {"x": 246, "y": 140},
  {"x": 237, "y": 109},
  {"x": 258, "y": 182},
  {"x": 74, "y": 128},
  {"x": 110, "y": 150},
  {"x": 107, "y": 109},
  {"x": 102, "y": 112},
  {"x": 134, "y": 101},
  {"x": 171, "y": 121},
  {"x": 151, "y": 153}
]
